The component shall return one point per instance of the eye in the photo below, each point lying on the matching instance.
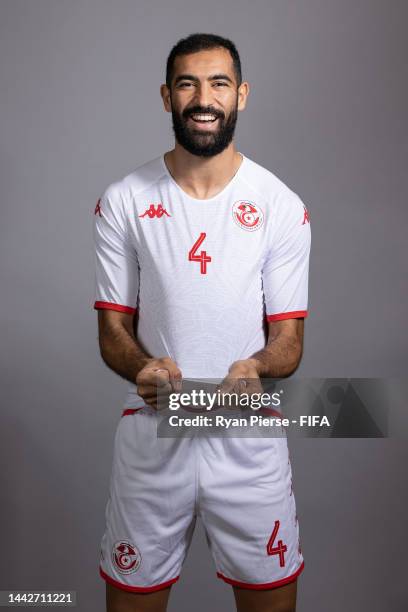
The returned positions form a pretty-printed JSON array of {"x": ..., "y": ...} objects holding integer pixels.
[
  {"x": 184, "y": 85},
  {"x": 220, "y": 84}
]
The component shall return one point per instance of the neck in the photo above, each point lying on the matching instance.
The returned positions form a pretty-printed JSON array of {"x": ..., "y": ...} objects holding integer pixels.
[{"x": 202, "y": 177}]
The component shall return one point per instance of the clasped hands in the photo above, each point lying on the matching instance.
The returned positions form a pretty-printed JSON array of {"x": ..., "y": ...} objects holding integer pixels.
[{"x": 164, "y": 376}]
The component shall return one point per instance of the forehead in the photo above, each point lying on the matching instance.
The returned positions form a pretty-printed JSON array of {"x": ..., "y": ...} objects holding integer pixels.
[{"x": 203, "y": 64}]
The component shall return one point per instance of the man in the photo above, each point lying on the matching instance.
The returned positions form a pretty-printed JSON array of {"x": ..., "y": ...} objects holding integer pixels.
[{"x": 202, "y": 270}]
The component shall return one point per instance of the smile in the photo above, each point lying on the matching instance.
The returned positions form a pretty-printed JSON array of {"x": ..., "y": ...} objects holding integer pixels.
[{"x": 203, "y": 118}]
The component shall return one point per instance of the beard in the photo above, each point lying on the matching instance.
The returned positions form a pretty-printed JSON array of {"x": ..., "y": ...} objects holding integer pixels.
[{"x": 201, "y": 142}]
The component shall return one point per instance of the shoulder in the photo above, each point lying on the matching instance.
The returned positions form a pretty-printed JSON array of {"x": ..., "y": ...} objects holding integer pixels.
[
  {"x": 283, "y": 207},
  {"x": 278, "y": 197},
  {"x": 124, "y": 190}
]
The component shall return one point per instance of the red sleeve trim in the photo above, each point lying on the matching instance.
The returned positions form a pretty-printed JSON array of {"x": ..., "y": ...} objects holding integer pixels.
[
  {"x": 265, "y": 585},
  {"x": 295, "y": 314},
  {"x": 128, "y": 411},
  {"x": 111, "y": 306},
  {"x": 135, "y": 589},
  {"x": 270, "y": 411}
]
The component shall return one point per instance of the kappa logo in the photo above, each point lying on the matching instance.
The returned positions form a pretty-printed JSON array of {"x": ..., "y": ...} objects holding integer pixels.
[
  {"x": 98, "y": 210},
  {"x": 306, "y": 216},
  {"x": 126, "y": 557},
  {"x": 155, "y": 211},
  {"x": 247, "y": 215}
]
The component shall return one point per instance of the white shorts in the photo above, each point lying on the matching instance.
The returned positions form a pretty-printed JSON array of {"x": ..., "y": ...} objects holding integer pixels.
[{"x": 240, "y": 487}]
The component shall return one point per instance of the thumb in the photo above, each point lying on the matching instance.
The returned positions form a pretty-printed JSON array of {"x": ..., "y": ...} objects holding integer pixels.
[{"x": 162, "y": 377}]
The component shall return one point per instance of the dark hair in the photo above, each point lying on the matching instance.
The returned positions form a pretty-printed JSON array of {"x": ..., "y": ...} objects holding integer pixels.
[{"x": 201, "y": 42}]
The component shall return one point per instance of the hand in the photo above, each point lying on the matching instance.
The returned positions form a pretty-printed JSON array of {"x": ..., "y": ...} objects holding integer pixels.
[
  {"x": 161, "y": 375},
  {"x": 242, "y": 377}
]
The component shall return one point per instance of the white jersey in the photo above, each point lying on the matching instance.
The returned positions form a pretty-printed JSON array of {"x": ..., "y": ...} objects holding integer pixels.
[{"x": 203, "y": 275}]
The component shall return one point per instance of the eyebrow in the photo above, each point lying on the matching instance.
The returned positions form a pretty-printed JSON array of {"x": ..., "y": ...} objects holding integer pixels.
[{"x": 214, "y": 77}]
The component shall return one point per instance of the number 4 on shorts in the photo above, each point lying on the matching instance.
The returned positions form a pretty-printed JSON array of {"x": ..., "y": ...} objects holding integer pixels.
[{"x": 280, "y": 549}]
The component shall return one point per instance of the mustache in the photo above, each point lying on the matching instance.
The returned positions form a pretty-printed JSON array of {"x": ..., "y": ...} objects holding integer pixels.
[{"x": 201, "y": 110}]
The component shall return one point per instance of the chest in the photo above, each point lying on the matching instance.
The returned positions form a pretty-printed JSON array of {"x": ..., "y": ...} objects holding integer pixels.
[{"x": 200, "y": 239}]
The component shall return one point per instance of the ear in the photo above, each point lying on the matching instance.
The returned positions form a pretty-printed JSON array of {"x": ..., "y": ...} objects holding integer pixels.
[
  {"x": 165, "y": 94},
  {"x": 243, "y": 91}
]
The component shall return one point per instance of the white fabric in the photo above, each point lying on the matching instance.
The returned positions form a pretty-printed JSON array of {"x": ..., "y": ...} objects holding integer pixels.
[
  {"x": 204, "y": 315},
  {"x": 239, "y": 487}
]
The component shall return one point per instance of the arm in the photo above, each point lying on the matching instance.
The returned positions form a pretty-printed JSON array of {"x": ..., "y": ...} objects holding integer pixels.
[
  {"x": 285, "y": 285},
  {"x": 118, "y": 346},
  {"x": 279, "y": 359},
  {"x": 117, "y": 286},
  {"x": 123, "y": 354},
  {"x": 283, "y": 351}
]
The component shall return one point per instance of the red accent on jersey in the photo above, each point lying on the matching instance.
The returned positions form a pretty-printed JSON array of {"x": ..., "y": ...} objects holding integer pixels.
[
  {"x": 295, "y": 314},
  {"x": 132, "y": 589},
  {"x": 155, "y": 211},
  {"x": 98, "y": 210},
  {"x": 270, "y": 412},
  {"x": 280, "y": 549},
  {"x": 128, "y": 411},
  {"x": 203, "y": 258},
  {"x": 111, "y": 306},
  {"x": 265, "y": 585},
  {"x": 306, "y": 216}
]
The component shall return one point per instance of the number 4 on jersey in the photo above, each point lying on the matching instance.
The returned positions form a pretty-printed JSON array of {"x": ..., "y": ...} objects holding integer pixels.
[
  {"x": 203, "y": 258},
  {"x": 280, "y": 549}
]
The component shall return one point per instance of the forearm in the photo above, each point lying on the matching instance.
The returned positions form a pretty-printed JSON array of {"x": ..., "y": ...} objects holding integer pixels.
[
  {"x": 280, "y": 357},
  {"x": 122, "y": 353}
]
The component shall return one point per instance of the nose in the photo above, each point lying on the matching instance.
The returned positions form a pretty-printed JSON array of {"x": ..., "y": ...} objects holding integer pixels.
[{"x": 204, "y": 95}]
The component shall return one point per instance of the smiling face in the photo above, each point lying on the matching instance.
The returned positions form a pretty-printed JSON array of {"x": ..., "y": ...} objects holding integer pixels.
[{"x": 204, "y": 100}]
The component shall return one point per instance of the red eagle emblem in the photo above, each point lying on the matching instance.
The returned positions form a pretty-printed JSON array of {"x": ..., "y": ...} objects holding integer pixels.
[
  {"x": 126, "y": 557},
  {"x": 247, "y": 215}
]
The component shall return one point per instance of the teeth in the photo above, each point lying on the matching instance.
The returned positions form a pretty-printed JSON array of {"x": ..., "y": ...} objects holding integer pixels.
[{"x": 203, "y": 117}]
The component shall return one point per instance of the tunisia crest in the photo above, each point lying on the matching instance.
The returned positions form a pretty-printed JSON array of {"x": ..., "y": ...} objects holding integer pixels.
[
  {"x": 126, "y": 557},
  {"x": 247, "y": 215}
]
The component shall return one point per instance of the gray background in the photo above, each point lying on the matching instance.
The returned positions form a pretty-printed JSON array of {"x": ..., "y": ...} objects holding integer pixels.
[{"x": 80, "y": 107}]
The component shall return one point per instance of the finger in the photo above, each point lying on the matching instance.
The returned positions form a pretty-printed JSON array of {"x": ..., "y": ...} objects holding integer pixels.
[
  {"x": 157, "y": 399},
  {"x": 242, "y": 386},
  {"x": 155, "y": 377},
  {"x": 175, "y": 375},
  {"x": 147, "y": 391},
  {"x": 151, "y": 402},
  {"x": 152, "y": 390},
  {"x": 227, "y": 385},
  {"x": 229, "y": 393},
  {"x": 177, "y": 383},
  {"x": 163, "y": 378},
  {"x": 235, "y": 385},
  {"x": 164, "y": 390},
  {"x": 254, "y": 386}
]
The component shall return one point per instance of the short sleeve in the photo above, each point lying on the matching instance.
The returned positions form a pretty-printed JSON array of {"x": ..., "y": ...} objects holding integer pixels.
[
  {"x": 286, "y": 268},
  {"x": 117, "y": 270}
]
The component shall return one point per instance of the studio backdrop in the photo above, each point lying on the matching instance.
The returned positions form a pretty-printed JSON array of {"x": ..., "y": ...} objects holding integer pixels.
[{"x": 80, "y": 108}]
